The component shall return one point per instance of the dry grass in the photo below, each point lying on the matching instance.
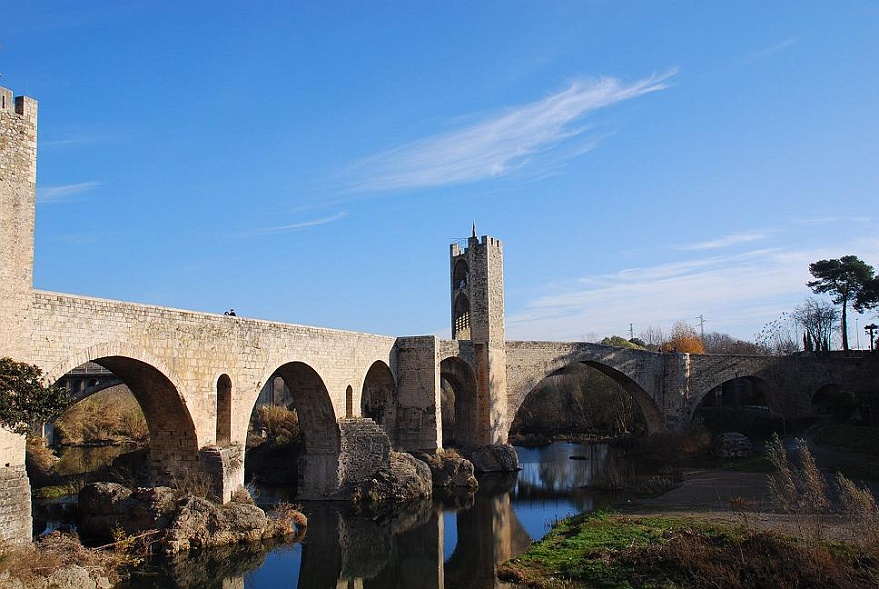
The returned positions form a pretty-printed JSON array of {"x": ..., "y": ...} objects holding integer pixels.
[
  {"x": 111, "y": 415},
  {"x": 281, "y": 425},
  {"x": 31, "y": 562}
]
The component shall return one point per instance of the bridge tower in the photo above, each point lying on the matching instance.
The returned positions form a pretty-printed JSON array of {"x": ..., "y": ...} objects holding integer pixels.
[
  {"x": 477, "y": 299},
  {"x": 18, "y": 179}
]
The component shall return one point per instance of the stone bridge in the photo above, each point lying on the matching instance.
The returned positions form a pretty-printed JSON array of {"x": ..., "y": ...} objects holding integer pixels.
[
  {"x": 668, "y": 387},
  {"x": 197, "y": 376}
]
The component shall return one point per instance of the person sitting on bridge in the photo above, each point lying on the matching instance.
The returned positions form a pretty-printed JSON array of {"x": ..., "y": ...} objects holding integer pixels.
[{"x": 230, "y": 313}]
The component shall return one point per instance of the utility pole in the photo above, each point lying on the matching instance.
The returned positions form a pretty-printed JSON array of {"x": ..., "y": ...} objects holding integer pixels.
[{"x": 701, "y": 327}]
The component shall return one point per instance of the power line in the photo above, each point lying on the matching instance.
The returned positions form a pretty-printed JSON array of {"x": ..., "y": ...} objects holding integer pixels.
[{"x": 701, "y": 326}]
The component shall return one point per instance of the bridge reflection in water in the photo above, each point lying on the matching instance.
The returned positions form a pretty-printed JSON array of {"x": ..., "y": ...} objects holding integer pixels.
[{"x": 452, "y": 542}]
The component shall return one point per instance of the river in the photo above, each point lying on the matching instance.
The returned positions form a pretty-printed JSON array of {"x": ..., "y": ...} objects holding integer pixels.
[{"x": 451, "y": 542}]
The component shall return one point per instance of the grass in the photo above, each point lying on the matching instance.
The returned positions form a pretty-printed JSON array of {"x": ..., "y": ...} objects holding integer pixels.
[
  {"x": 851, "y": 438},
  {"x": 612, "y": 551},
  {"x": 112, "y": 415},
  {"x": 32, "y": 563}
]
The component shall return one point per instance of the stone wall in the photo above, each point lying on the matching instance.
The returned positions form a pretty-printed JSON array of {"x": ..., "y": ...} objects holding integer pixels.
[
  {"x": 365, "y": 450},
  {"x": 15, "y": 504}
]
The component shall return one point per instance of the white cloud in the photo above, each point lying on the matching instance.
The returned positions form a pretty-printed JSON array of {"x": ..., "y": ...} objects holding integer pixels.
[
  {"x": 771, "y": 50},
  {"x": 502, "y": 144},
  {"x": 50, "y": 194},
  {"x": 294, "y": 226},
  {"x": 726, "y": 241},
  {"x": 725, "y": 289}
]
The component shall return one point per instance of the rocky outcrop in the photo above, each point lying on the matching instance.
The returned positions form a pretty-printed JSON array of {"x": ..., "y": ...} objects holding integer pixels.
[
  {"x": 180, "y": 524},
  {"x": 69, "y": 577},
  {"x": 449, "y": 469},
  {"x": 200, "y": 523},
  {"x": 734, "y": 445},
  {"x": 495, "y": 458},
  {"x": 106, "y": 507},
  {"x": 405, "y": 478}
]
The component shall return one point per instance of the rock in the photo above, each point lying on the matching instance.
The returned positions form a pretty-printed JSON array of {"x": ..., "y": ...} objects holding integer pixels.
[
  {"x": 405, "y": 478},
  {"x": 182, "y": 523},
  {"x": 200, "y": 523},
  {"x": 734, "y": 445},
  {"x": 448, "y": 469},
  {"x": 106, "y": 507},
  {"x": 495, "y": 458}
]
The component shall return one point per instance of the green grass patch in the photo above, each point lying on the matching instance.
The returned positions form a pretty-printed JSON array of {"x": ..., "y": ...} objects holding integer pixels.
[
  {"x": 608, "y": 551},
  {"x": 850, "y": 438},
  {"x": 755, "y": 463}
]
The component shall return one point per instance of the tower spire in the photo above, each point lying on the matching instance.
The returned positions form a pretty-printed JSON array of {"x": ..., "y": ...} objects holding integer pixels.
[{"x": 474, "y": 229}]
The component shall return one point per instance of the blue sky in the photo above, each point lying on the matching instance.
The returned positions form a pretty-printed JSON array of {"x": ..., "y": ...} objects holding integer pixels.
[{"x": 310, "y": 162}]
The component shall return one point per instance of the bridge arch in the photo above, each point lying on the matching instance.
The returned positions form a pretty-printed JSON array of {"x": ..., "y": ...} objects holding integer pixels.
[
  {"x": 650, "y": 411},
  {"x": 712, "y": 380},
  {"x": 318, "y": 465},
  {"x": 463, "y": 417},
  {"x": 378, "y": 400},
  {"x": 173, "y": 436}
]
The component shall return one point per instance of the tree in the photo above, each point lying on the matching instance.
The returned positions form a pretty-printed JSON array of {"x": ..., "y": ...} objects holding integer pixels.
[
  {"x": 818, "y": 319},
  {"x": 844, "y": 279},
  {"x": 779, "y": 336},
  {"x": 620, "y": 342},
  {"x": 868, "y": 298},
  {"x": 684, "y": 339},
  {"x": 723, "y": 343},
  {"x": 24, "y": 399}
]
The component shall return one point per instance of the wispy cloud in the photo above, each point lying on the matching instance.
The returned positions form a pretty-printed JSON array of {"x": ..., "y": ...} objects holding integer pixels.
[
  {"x": 732, "y": 292},
  {"x": 726, "y": 241},
  {"x": 293, "y": 226},
  {"x": 52, "y": 194},
  {"x": 771, "y": 50},
  {"x": 502, "y": 144}
]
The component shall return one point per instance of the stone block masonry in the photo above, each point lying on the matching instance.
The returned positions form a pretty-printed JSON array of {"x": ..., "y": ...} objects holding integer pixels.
[{"x": 15, "y": 504}]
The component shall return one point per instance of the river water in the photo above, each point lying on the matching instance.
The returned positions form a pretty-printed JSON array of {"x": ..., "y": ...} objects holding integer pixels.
[{"x": 450, "y": 542}]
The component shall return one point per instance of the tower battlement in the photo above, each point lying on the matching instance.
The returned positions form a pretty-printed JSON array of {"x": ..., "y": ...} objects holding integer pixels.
[{"x": 20, "y": 105}]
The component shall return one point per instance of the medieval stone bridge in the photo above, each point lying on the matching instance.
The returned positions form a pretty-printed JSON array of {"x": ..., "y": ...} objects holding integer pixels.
[{"x": 198, "y": 375}]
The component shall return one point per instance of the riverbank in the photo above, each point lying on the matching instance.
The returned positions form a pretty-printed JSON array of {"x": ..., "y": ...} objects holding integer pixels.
[{"x": 719, "y": 527}]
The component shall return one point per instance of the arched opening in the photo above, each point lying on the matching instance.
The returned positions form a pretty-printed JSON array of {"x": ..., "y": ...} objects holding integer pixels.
[
  {"x": 122, "y": 401},
  {"x": 464, "y": 422},
  {"x": 460, "y": 276},
  {"x": 379, "y": 399},
  {"x": 461, "y": 321},
  {"x": 839, "y": 405},
  {"x": 224, "y": 410},
  {"x": 293, "y": 438},
  {"x": 740, "y": 405},
  {"x": 579, "y": 403}
]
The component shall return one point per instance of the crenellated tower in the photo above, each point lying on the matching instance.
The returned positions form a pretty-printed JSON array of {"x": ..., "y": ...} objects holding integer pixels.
[
  {"x": 18, "y": 181},
  {"x": 477, "y": 299}
]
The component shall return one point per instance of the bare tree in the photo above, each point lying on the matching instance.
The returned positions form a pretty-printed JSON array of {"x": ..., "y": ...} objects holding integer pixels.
[
  {"x": 653, "y": 336},
  {"x": 723, "y": 343},
  {"x": 779, "y": 337},
  {"x": 818, "y": 318}
]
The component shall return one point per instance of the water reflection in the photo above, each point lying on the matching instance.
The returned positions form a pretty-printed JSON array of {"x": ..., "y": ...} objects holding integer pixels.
[{"x": 452, "y": 542}]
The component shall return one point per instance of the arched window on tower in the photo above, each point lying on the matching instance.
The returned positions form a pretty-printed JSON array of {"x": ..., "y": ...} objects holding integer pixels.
[
  {"x": 462, "y": 317},
  {"x": 460, "y": 276}
]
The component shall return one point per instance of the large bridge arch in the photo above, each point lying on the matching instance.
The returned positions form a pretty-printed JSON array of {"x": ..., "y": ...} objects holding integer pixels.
[
  {"x": 318, "y": 467},
  {"x": 174, "y": 440},
  {"x": 650, "y": 411}
]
